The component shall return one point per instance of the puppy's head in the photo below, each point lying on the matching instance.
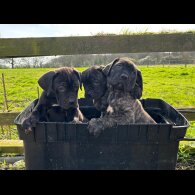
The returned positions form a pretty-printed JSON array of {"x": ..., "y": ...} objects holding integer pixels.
[
  {"x": 94, "y": 82},
  {"x": 64, "y": 83},
  {"x": 122, "y": 74}
]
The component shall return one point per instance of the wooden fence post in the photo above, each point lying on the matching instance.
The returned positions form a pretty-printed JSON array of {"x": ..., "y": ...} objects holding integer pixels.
[
  {"x": 4, "y": 93},
  {"x": 38, "y": 92}
]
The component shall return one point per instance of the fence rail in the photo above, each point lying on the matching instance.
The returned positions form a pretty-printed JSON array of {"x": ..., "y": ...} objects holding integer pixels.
[
  {"x": 189, "y": 113},
  {"x": 8, "y": 118},
  {"x": 48, "y": 46}
]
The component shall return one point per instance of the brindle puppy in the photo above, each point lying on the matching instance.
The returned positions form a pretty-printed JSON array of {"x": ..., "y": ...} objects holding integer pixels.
[
  {"x": 59, "y": 87},
  {"x": 123, "y": 107}
]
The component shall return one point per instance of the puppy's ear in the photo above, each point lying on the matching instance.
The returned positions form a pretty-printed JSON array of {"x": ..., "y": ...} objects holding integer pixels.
[
  {"x": 45, "y": 82},
  {"x": 109, "y": 66},
  {"x": 78, "y": 74},
  {"x": 136, "y": 92},
  {"x": 101, "y": 69},
  {"x": 106, "y": 69}
]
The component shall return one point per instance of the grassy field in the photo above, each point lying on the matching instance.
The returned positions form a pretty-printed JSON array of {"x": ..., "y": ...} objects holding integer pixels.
[{"x": 174, "y": 84}]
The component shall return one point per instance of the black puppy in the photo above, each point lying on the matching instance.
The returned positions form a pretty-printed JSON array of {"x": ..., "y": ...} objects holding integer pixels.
[
  {"x": 59, "y": 87},
  {"x": 94, "y": 82}
]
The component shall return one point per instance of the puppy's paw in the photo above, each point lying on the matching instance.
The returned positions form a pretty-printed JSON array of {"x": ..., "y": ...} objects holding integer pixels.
[
  {"x": 95, "y": 127},
  {"x": 76, "y": 122},
  {"x": 28, "y": 131},
  {"x": 27, "y": 126},
  {"x": 29, "y": 123}
]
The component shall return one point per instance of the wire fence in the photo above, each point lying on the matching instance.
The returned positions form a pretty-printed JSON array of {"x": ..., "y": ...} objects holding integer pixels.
[{"x": 8, "y": 132}]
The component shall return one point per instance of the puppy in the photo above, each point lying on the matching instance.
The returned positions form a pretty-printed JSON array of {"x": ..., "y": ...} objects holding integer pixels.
[
  {"x": 95, "y": 85},
  {"x": 59, "y": 87},
  {"x": 125, "y": 76},
  {"x": 122, "y": 108}
]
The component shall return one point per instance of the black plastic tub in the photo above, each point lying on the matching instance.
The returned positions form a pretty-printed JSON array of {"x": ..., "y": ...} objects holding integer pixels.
[{"x": 59, "y": 145}]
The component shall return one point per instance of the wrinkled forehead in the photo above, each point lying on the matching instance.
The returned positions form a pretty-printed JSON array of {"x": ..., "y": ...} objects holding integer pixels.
[
  {"x": 66, "y": 78},
  {"x": 124, "y": 66},
  {"x": 91, "y": 74}
]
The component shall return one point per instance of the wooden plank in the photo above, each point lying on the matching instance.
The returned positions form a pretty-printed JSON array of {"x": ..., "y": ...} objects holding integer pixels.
[
  {"x": 7, "y": 118},
  {"x": 47, "y": 46},
  {"x": 189, "y": 113},
  {"x": 189, "y": 116},
  {"x": 11, "y": 142},
  {"x": 12, "y": 146},
  {"x": 12, "y": 149}
]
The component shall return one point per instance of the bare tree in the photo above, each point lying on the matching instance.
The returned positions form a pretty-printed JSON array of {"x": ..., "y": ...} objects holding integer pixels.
[
  {"x": 8, "y": 61},
  {"x": 34, "y": 62}
]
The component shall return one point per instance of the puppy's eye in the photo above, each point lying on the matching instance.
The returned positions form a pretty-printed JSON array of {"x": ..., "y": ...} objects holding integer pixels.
[{"x": 118, "y": 66}]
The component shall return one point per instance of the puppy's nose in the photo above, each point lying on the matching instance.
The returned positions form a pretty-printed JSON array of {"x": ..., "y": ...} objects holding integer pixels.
[{"x": 124, "y": 76}]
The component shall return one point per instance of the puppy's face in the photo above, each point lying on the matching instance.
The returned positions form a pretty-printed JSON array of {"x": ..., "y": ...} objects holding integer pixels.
[
  {"x": 122, "y": 75},
  {"x": 64, "y": 83},
  {"x": 94, "y": 82},
  {"x": 66, "y": 89}
]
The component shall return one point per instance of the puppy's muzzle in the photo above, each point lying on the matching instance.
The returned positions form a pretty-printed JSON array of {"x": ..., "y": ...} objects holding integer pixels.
[{"x": 124, "y": 76}]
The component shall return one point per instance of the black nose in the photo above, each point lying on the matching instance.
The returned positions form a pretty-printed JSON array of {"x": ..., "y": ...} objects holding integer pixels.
[{"x": 124, "y": 76}]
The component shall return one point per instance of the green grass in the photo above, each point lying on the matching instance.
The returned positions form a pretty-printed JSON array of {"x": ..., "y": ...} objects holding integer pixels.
[
  {"x": 8, "y": 133},
  {"x": 19, "y": 165},
  {"x": 174, "y": 84},
  {"x": 191, "y": 131}
]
